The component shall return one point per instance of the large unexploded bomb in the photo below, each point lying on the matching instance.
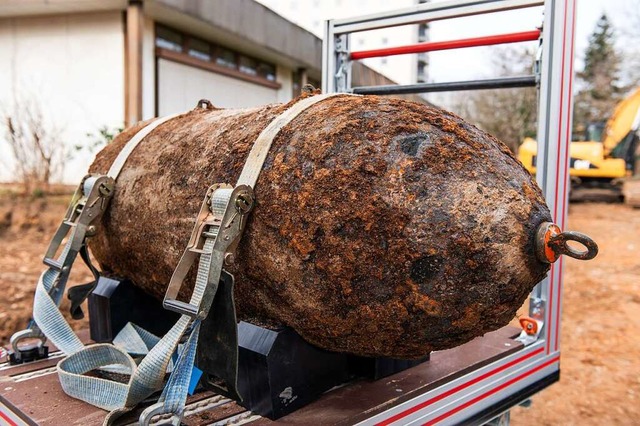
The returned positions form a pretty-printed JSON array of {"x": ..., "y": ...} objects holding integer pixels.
[{"x": 382, "y": 227}]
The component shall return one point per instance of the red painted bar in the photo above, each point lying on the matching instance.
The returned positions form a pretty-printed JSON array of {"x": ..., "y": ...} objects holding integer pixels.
[{"x": 447, "y": 45}]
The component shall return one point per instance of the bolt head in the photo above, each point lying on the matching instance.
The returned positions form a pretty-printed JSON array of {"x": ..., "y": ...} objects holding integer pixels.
[{"x": 244, "y": 203}]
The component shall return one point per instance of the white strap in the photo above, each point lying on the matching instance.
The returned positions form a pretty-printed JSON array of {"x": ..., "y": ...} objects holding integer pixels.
[
  {"x": 260, "y": 150},
  {"x": 123, "y": 155}
]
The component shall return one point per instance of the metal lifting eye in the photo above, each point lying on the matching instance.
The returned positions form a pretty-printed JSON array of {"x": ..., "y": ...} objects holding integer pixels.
[
  {"x": 551, "y": 243},
  {"x": 28, "y": 345},
  {"x": 204, "y": 103},
  {"x": 560, "y": 242}
]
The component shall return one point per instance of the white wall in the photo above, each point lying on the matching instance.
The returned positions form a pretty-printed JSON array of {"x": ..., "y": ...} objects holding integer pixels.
[
  {"x": 284, "y": 77},
  {"x": 182, "y": 86},
  {"x": 73, "y": 66},
  {"x": 148, "y": 70}
]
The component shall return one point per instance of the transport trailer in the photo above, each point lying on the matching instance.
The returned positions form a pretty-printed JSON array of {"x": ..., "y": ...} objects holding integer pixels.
[
  {"x": 475, "y": 383},
  {"x": 462, "y": 384}
]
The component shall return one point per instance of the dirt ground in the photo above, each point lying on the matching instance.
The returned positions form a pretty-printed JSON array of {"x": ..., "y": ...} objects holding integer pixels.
[
  {"x": 600, "y": 343},
  {"x": 26, "y": 227},
  {"x": 600, "y": 377}
]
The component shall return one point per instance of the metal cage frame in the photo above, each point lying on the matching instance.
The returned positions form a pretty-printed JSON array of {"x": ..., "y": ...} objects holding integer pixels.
[{"x": 538, "y": 363}]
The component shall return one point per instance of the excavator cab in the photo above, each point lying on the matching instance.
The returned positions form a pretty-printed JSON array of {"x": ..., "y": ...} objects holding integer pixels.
[
  {"x": 594, "y": 131},
  {"x": 626, "y": 150}
]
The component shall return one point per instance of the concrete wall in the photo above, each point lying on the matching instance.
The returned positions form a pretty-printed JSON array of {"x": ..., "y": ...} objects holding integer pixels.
[
  {"x": 284, "y": 77},
  {"x": 181, "y": 86},
  {"x": 73, "y": 67}
]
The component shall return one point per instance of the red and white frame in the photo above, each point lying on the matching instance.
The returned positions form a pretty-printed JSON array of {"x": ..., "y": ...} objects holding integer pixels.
[{"x": 461, "y": 399}]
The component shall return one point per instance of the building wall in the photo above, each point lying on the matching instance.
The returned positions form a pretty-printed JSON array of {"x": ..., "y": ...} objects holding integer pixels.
[
  {"x": 181, "y": 86},
  {"x": 284, "y": 76},
  {"x": 72, "y": 66}
]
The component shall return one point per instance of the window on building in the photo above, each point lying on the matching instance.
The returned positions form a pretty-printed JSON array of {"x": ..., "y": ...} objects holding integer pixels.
[
  {"x": 267, "y": 71},
  {"x": 423, "y": 31},
  {"x": 296, "y": 83},
  {"x": 169, "y": 39},
  {"x": 248, "y": 65},
  {"x": 199, "y": 49},
  {"x": 182, "y": 46},
  {"x": 226, "y": 57},
  {"x": 422, "y": 72}
]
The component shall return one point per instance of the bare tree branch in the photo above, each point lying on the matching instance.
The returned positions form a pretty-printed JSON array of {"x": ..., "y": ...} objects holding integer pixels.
[
  {"x": 36, "y": 145},
  {"x": 508, "y": 114}
]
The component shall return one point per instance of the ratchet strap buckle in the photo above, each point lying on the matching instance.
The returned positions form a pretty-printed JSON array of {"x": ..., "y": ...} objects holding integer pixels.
[
  {"x": 87, "y": 205},
  {"x": 214, "y": 238}
]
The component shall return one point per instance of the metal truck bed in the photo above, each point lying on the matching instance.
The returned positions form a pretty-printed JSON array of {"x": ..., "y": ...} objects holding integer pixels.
[{"x": 31, "y": 394}]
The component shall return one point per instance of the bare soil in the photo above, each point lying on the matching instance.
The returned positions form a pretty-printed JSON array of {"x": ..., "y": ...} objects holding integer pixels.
[
  {"x": 600, "y": 344},
  {"x": 26, "y": 227},
  {"x": 600, "y": 376}
]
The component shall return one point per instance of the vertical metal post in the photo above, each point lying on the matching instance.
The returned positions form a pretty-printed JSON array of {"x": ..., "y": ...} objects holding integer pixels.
[
  {"x": 328, "y": 59},
  {"x": 554, "y": 135},
  {"x": 327, "y": 54},
  {"x": 336, "y": 65}
]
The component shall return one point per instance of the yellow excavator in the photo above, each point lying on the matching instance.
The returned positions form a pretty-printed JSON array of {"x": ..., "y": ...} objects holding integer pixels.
[{"x": 607, "y": 155}]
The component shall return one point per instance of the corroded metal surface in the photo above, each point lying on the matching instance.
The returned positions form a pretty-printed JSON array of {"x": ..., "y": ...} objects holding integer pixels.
[{"x": 382, "y": 227}]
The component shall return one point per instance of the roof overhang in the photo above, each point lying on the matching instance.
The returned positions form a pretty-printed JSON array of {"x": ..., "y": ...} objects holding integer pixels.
[
  {"x": 244, "y": 25},
  {"x": 12, "y": 8}
]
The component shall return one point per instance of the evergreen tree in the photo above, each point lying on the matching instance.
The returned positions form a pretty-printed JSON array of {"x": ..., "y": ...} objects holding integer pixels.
[{"x": 600, "y": 78}]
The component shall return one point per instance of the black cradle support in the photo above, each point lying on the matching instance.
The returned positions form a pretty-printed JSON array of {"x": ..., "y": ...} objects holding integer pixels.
[{"x": 278, "y": 371}]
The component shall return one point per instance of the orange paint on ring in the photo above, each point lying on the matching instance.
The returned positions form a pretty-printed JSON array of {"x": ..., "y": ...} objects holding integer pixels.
[{"x": 552, "y": 231}]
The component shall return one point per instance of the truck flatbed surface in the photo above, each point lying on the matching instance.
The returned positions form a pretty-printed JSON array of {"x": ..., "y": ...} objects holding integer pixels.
[{"x": 31, "y": 393}]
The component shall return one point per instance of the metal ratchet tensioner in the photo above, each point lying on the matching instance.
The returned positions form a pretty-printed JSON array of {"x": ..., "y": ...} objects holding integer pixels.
[
  {"x": 89, "y": 202},
  {"x": 216, "y": 235}
]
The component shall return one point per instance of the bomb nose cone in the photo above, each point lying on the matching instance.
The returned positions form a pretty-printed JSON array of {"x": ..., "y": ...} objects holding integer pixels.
[{"x": 551, "y": 243}]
